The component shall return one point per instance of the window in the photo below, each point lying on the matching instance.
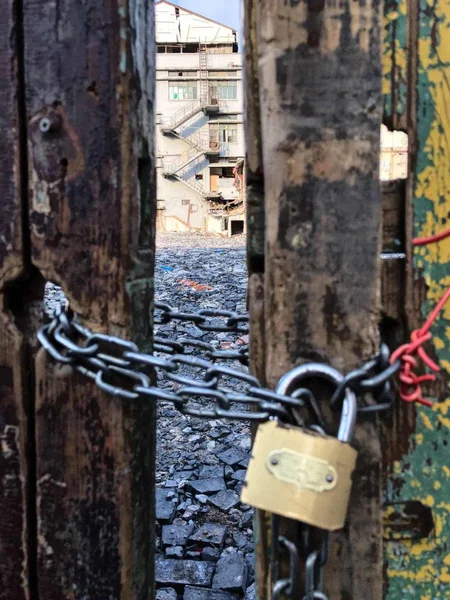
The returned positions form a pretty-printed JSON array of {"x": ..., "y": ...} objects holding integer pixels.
[
  {"x": 225, "y": 90},
  {"x": 182, "y": 90},
  {"x": 184, "y": 74},
  {"x": 190, "y": 49},
  {"x": 228, "y": 133},
  {"x": 185, "y": 202}
]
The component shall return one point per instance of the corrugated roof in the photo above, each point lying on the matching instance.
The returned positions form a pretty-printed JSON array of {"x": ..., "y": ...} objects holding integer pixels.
[{"x": 196, "y": 14}]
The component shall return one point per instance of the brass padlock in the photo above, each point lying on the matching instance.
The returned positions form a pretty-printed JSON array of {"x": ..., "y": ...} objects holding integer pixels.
[{"x": 302, "y": 474}]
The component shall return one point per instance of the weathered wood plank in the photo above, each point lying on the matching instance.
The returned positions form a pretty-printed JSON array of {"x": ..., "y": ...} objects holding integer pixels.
[
  {"x": 393, "y": 221},
  {"x": 253, "y": 137},
  {"x": 89, "y": 72},
  {"x": 255, "y": 260},
  {"x": 395, "y": 69},
  {"x": 393, "y": 271},
  {"x": 320, "y": 81},
  {"x": 420, "y": 471},
  {"x": 15, "y": 451}
]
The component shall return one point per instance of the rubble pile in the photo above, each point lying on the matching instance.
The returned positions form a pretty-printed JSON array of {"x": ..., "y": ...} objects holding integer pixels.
[{"x": 205, "y": 538}]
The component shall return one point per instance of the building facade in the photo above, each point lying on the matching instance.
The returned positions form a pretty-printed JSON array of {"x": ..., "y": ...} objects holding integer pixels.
[{"x": 199, "y": 124}]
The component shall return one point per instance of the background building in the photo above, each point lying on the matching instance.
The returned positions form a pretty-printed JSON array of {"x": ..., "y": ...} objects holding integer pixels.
[{"x": 199, "y": 123}]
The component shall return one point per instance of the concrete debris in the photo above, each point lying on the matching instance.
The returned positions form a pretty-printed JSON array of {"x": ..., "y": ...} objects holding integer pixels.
[
  {"x": 166, "y": 594},
  {"x": 210, "y": 533},
  {"x": 176, "y": 534},
  {"x": 225, "y": 500},
  {"x": 231, "y": 573},
  {"x": 232, "y": 456},
  {"x": 183, "y": 572},
  {"x": 165, "y": 507},
  {"x": 202, "y": 594}
]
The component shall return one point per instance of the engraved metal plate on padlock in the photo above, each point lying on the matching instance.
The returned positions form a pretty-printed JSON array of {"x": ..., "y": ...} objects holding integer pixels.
[{"x": 300, "y": 474}]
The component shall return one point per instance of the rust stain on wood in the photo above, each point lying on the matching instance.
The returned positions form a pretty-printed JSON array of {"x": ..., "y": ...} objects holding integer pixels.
[
  {"x": 89, "y": 213},
  {"x": 320, "y": 81},
  {"x": 16, "y": 564}
]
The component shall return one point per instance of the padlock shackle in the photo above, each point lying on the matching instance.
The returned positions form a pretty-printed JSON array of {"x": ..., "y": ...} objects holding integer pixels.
[{"x": 289, "y": 383}]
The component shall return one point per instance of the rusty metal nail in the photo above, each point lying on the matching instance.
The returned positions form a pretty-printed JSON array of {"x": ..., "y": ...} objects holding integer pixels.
[{"x": 45, "y": 125}]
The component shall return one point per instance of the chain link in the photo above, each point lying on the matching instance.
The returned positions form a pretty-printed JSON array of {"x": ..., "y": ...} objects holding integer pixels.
[
  {"x": 205, "y": 319},
  {"x": 311, "y": 547}
]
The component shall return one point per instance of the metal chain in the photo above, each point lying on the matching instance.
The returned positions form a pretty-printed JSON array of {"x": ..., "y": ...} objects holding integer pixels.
[
  {"x": 205, "y": 319},
  {"x": 310, "y": 548},
  {"x": 119, "y": 368}
]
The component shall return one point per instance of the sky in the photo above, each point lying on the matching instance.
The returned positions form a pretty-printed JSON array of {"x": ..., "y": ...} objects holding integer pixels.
[{"x": 226, "y": 12}]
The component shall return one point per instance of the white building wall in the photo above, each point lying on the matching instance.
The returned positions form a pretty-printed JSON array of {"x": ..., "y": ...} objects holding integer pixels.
[
  {"x": 180, "y": 206},
  {"x": 174, "y": 24}
]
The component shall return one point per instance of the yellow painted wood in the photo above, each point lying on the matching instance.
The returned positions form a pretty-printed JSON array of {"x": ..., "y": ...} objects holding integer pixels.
[{"x": 420, "y": 569}]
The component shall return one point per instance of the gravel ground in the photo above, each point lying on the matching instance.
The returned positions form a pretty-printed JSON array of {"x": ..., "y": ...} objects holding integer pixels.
[
  {"x": 201, "y": 463},
  {"x": 204, "y": 533}
]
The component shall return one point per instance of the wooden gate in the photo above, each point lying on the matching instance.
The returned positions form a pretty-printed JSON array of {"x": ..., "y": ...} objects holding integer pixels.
[
  {"x": 77, "y": 190},
  {"x": 317, "y": 93},
  {"x": 78, "y": 208}
]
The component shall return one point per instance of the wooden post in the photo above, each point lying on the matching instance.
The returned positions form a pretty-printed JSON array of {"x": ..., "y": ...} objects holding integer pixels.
[
  {"x": 85, "y": 115},
  {"x": 418, "y": 447},
  {"x": 17, "y": 531},
  {"x": 255, "y": 258},
  {"x": 320, "y": 94}
]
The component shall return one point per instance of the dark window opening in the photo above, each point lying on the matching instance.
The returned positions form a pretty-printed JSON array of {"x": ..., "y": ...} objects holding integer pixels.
[
  {"x": 237, "y": 227},
  {"x": 190, "y": 48}
]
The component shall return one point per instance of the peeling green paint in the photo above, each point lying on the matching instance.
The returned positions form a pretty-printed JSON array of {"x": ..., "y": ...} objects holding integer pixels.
[{"x": 420, "y": 570}]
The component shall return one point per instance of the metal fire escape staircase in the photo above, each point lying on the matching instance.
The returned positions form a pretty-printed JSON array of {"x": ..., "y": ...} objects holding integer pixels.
[{"x": 199, "y": 145}]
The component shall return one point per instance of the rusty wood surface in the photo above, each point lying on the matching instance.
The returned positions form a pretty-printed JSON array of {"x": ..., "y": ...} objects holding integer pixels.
[
  {"x": 253, "y": 144},
  {"x": 320, "y": 92},
  {"x": 89, "y": 70},
  {"x": 16, "y": 454}
]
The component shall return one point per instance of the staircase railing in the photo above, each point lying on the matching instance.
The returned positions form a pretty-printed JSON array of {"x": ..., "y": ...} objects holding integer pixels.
[
  {"x": 184, "y": 113},
  {"x": 193, "y": 184},
  {"x": 174, "y": 165},
  {"x": 195, "y": 139}
]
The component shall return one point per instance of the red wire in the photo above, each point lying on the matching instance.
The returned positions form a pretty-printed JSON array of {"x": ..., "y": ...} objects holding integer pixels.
[
  {"x": 410, "y": 383},
  {"x": 431, "y": 239}
]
